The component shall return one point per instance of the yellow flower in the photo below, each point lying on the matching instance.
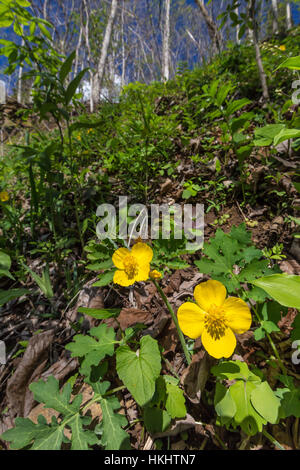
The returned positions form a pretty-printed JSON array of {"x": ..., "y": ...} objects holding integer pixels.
[
  {"x": 282, "y": 48},
  {"x": 133, "y": 265},
  {"x": 4, "y": 196},
  {"x": 155, "y": 274},
  {"x": 214, "y": 318}
]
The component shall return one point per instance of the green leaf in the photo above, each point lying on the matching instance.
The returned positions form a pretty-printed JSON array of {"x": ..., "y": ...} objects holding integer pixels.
[
  {"x": 48, "y": 393},
  {"x": 224, "y": 404},
  {"x": 113, "y": 437},
  {"x": 22, "y": 434},
  {"x": 175, "y": 402},
  {"x": 236, "y": 105},
  {"x": 265, "y": 135},
  {"x": 265, "y": 402},
  {"x": 5, "y": 261},
  {"x": 71, "y": 90},
  {"x": 156, "y": 420},
  {"x": 100, "y": 313},
  {"x": 284, "y": 288},
  {"x": 286, "y": 134},
  {"x": 292, "y": 63},
  {"x": 45, "y": 31},
  {"x": 232, "y": 370},
  {"x": 223, "y": 93},
  {"x": 107, "y": 264},
  {"x": 139, "y": 370},
  {"x": 93, "y": 351},
  {"x": 105, "y": 279},
  {"x": 246, "y": 416},
  {"x": 66, "y": 67},
  {"x": 290, "y": 402},
  {"x": 7, "y": 295}
]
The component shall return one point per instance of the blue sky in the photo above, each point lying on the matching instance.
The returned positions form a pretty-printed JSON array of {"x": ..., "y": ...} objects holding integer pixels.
[{"x": 295, "y": 13}]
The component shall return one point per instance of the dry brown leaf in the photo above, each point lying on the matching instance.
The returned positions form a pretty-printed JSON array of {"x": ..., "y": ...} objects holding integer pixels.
[
  {"x": 196, "y": 375},
  {"x": 131, "y": 316},
  {"x": 19, "y": 397},
  {"x": 181, "y": 425}
]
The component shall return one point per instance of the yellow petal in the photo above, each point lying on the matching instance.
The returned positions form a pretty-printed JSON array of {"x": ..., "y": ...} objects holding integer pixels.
[
  {"x": 142, "y": 252},
  {"x": 118, "y": 257},
  {"x": 222, "y": 347},
  {"x": 143, "y": 273},
  {"x": 208, "y": 293},
  {"x": 191, "y": 319},
  {"x": 237, "y": 314},
  {"x": 121, "y": 278}
]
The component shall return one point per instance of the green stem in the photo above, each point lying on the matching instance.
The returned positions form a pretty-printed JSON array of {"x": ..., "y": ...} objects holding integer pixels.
[
  {"x": 98, "y": 397},
  {"x": 271, "y": 343},
  {"x": 272, "y": 439},
  {"x": 174, "y": 318}
]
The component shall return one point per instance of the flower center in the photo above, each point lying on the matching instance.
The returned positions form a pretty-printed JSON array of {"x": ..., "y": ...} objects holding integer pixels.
[
  {"x": 130, "y": 266},
  {"x": 215, "y": 322}
]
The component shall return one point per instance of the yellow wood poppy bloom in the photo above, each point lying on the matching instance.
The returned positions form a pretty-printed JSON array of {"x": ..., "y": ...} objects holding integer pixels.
[
  {"x": 133, "y": 265},
  {"x": 4, "y": 196},
  {"x": 282, "y": 47},
  {"x": 214, "y": 318}
]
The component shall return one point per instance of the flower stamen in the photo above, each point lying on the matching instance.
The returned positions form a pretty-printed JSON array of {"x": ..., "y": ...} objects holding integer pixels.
[
  {"x": 131, "y": 266},
  {"x": 215, "y": 322}
]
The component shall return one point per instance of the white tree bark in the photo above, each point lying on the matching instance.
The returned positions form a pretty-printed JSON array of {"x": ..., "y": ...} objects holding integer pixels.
[
  {"x": 237, "y": 31},
  {"x": 78, "y": 43},
  {"x": 275, "y": 17},
  {"x": 98, "y": 77},
  {"x": 262, "y": 75},
  {"x": 289, "y": 23},
  {"x": 20, "y": 75},
  {"x": 166, "y": 43},
  {"x": 89, "y": 53}
]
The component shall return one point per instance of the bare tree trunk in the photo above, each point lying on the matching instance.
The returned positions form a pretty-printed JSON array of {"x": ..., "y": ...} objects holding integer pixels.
[
  {"x": 289, "y": 23},
  {"x": 98, "y": 77},
  {"x": 237, "y": 31},
  {"x": 275, "y": 16},
  {"x": 249, "y": 30},
  {"x": 262, "y": 75},
  {"x": 123, "y": 48},
  {"x": 212, "y": 27},
  {"x": 87, "y": 43},
  {"x": 166, "y": 43},
  {"x": 20, "y": 74},
  {"x": 78, "y": 43}
]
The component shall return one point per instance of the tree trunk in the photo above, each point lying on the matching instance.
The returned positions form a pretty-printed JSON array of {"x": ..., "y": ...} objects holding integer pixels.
[
  {"x": 98, "y": 77},
  {"x": 123, "y": 48},
  {"x": 237, "y": 31},
  {"x": 87, "y": 42},
  {"x": 166, "y": 43},
  {"x": 262, "y": 75},
  {"x": 289, "y": 23},
  {"x": 20, "y": 74},
  {"x": 212, "y": 27},
  {"x": 275, "y": 17},
  {"x": 249, "y": 30},
  {"x": 79, "y": 43}
]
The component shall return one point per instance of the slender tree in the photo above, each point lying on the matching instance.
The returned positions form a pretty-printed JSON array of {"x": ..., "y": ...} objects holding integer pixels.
[
  {"x": 98, "y": 77},
  {"x": 211, "y": 26},
  {"x": 275, "y": 17},
  {"x": 166, "y": 43},
  {"x": 262, "y": 74}
]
